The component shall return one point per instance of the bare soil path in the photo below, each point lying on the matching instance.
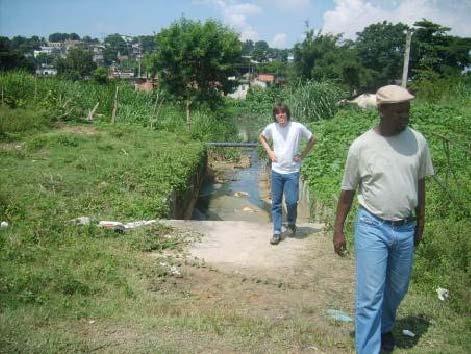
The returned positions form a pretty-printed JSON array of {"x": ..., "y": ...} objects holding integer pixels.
[{"x": 298, "y": 280}]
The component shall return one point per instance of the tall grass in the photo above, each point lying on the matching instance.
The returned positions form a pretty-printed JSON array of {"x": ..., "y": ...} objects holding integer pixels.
[
  {"x": 64, "y": 100},
  {"x": 309, "y": 101},
  {"x": 312, "y": 101},
  {"x": 20, "y": 120}
]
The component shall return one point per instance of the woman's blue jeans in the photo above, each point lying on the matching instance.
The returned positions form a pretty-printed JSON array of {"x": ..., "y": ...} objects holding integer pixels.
[
  {"x": 289, "y": 185},
  {"x": 384, "y": 255}
]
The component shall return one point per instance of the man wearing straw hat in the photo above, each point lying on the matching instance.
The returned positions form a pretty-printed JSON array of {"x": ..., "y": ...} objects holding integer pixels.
[{"x": 388, "y": 164}]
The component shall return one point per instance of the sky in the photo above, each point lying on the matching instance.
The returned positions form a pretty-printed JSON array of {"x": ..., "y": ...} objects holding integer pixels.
[{"x": 281, "y": 23}]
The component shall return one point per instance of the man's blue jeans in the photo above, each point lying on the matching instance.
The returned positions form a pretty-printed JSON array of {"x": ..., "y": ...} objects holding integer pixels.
[
  {"x": 384, "y": 255},
  {"x": 289, "y": 184}
]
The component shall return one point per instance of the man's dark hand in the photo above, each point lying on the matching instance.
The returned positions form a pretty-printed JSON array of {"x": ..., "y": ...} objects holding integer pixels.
[{"x": 340, "y": 244}]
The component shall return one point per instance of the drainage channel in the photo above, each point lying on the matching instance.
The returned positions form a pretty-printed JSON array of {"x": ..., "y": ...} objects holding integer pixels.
[
  {"x": 235, "y": 191},
  {"x": 241, "y": 192}
]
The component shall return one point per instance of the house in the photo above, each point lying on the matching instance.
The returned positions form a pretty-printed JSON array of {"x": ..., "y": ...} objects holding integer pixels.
[
  {"x": 46, "y": 70},
  {"x": 240, "y": 92},
  {"x": 121, "y": 74},
  {"x": 44, "y": 50},
  {"x": 144, "y": 85},
  {"x": 263, "y": 80}
]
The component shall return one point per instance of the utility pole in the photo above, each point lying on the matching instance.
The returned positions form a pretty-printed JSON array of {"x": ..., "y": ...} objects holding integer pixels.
[
  {"x": 139, "y": 57},
  {"x": 405, "y": 67}
]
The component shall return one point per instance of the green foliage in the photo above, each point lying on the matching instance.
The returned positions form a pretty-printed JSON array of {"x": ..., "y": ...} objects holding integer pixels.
[
  {"x": 101, "y": 75},
  {"x": 434, "y": 51},
  {"x": 79, "y": 64},
  {"x": 20, "y": 120},
  {"x": 61, "y": 37},
  {"x": 114, "y": 44},
  {"x": 192, "y": 57},
  {"x": 321, "y": 57},
  {"x": 436, "y": 89},
  {"x": 12, "y": 58},
  {"x": 108, "y": 173},
  {"x": 380, "y": 48},
  {"x": 313, "y": 101},
  {"x": 308, "y": 101}
]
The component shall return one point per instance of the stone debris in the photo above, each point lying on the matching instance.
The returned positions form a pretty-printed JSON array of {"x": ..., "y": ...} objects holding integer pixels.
[
  {"x": 241, "y": 194},
  {"x": 136, "y": 224},
  {"x": 338, "y": 315},
  {"x": 408, "y": 333},
  {"x": 112, "y": 225},
  {"x": 249, "y": 209},
  {"x": 83, "y": 220},
  {"x": 173, "y": 270},
  {"x": 442, "y": 293}
]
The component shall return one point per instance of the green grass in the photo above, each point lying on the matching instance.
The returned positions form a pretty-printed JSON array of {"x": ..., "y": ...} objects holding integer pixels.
[{"x": 52, "y": 271}]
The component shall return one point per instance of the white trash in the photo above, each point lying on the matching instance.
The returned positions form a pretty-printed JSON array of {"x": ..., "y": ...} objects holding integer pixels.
[
  {"x": 442, "y": 293},
  {"x": 136, "y": 224},
  {"x": 3, "y": 225},
  {"x": 83, "y": 220},
  {"x": 408, "y": 333},
  {"x": 112, "y": 225}
]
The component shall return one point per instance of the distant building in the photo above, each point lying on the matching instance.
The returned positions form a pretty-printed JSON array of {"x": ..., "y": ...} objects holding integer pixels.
[
  {"x": 263, "y": 80},
  {"x": 144, "y": 85},
  {"x": 46, "y": 70},
  {"x": 121, "y": 74},
  {"x": 44, "y": 50},
  {"x": 240, "y": 92}
]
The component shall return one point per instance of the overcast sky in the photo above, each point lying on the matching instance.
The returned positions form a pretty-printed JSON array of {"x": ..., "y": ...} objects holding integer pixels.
[{"x": 280, "y": 22}]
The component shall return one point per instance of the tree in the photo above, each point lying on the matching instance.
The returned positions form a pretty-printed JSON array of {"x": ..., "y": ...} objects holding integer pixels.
[
  {"x": 61, "y": 37},
  {"x": 114, "y": 44},
  {"x": 79, "y": 64},
  {"x": 261, "y": 51},
  {"x": 433, "y": 51},
  {"x": 13, "y": 59},
  {"x": 323, "y": 57},
  {"x": 147, "y": 43},
  {"x": 248, "y": 47},
  {"x": 380, "y": 49},
  {"x": 100, "y": 75},
  {"x": 195, "y": 59},
  {"x": 90, "y": 40}
]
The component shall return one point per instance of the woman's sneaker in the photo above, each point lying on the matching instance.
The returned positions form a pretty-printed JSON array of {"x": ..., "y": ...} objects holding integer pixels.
[{"x": 275, "y": 239}]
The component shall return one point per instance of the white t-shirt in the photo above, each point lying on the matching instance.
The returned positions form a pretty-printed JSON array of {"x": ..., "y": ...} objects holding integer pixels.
[
  {"x": 387, "y": 171},
  {"x": 286, "y": 144}
]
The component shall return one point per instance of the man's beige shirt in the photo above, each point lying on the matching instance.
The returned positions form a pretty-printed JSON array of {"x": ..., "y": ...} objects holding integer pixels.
[{"x": 386, "y": 171}]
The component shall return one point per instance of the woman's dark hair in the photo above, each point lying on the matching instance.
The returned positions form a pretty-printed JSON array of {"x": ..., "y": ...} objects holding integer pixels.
[{"x": 280, "y": 108}]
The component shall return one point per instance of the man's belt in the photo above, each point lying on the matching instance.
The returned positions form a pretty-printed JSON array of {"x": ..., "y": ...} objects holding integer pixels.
[{"x": 401, "y": 222}]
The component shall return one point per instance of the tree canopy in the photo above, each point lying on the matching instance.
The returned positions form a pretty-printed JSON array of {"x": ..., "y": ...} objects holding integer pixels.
[
  {"x": 79, "y": 64},
  {"x": 195, "y": 58},
  {"x": 434, "y": 51},
  {"x": 114, "y": 44},
  {"x": 61, "y": 37}
]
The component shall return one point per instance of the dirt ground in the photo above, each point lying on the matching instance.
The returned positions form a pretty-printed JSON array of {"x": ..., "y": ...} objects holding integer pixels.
[{"x": 298, "y": 280}]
